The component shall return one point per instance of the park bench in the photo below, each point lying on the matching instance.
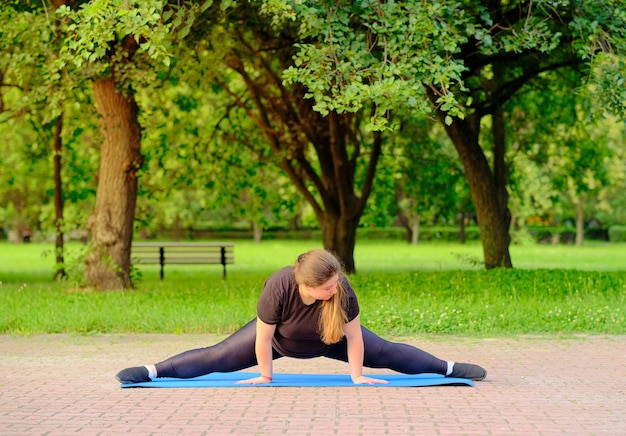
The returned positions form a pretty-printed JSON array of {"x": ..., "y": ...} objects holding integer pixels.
[{"x": 197, "y": 253}]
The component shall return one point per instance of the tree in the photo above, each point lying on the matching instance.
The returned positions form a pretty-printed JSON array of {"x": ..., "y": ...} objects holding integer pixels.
[
  {"x": 564, "y": 164},
  {"x": 26, "y": 170},
  {"x": 427, "y": 175},
  {"x": 320, "y": 153},
  {"x": 578, "y": 162},
  {"x": 470, "y": 57},
  {"x": 197, "y": 172},
  {"x": 115, "y": 43},
  {"x": 613, "y": 197},
  {"x": 252, "y": 190},
  {"x": 28, "y": 71}
]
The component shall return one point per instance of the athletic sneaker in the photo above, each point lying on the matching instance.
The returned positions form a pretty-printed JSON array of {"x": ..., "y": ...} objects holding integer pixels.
[
  {"x": 468, "y": 370},
  {"x": 137, "y": 374}
]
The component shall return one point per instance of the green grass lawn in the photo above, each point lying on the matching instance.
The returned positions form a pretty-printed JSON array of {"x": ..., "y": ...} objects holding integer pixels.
[
  {"x": 402, "y": 289},
  {"x": 35, "y": 262}
]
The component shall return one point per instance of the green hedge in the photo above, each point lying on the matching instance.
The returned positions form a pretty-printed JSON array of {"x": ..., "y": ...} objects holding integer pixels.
[
  {"x": 565, "y": 234},
  {"x": 435, "y": 233},
  {"x": 562, "y": 234}
]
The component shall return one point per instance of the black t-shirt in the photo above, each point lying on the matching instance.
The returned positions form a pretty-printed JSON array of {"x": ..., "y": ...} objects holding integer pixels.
[{"x": 297, "y": 333}]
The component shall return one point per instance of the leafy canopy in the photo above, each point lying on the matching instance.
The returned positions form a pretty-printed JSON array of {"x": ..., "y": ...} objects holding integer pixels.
[{"x": 387, "y": 53}]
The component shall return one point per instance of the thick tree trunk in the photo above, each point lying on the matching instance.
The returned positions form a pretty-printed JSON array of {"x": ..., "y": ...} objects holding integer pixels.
[
  {"x": 494, "y": 232},
  {"x": 342, "y": 207},
  {"x": 493, "y": 227},
  {"x": 111, "y": 224},
  {"x": 500, "y": 170},
  {"x": 339, "y": 234},
  {"x": 58, "y": 198}
]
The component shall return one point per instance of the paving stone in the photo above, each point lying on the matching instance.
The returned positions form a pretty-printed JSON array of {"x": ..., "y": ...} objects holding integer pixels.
[{"x": 540, "y": 385}]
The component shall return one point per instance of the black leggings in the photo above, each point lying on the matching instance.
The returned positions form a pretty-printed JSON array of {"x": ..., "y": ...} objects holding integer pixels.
[{"x": 237, "y": 352}]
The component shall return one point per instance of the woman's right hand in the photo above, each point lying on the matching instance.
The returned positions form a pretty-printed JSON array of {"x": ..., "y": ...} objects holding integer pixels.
[{"x": 254, "y": 381}]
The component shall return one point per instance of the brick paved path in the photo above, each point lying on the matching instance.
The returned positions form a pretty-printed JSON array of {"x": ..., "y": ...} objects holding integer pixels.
[{"x": 62, "y": 385}]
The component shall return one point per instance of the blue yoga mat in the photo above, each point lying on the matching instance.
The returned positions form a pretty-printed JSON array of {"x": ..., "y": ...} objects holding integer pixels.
[{"x": 227, "y": 380}]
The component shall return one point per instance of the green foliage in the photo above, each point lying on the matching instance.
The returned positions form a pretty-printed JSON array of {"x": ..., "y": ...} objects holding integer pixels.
[
  {"x": 130, "y": 40},
  {"x": 550, "y": 233},
  {"x": 610, "y": 85},
  {"x": 74, "y": 264},
  {"x": 23, "y": 177},
  {"x": 571, "y": 159},
  {"x": 352, "y": 54},
  {"x": 617, "y": 233},
  {"x": 96, "y": 26},
  {"x": 599, "y": 30},
  {"x": 27, "y": 200},
  {"x": 471, "y": 58},
  {"x": 386, "y": 53},
  {"x": 29, "y": 64},
  {"x": 429, "y": 182},
  {"x": 199, "y": 167}
]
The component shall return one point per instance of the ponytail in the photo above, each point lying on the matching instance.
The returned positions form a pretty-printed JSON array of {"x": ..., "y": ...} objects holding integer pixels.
[
  {"x": 333, "y": 317},
  {"x": 314, "y": 268}
]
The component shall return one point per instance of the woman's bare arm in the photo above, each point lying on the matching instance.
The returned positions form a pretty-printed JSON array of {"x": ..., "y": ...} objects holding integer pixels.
[
  {"x": 354, "y": 336},
  {"x": 263, "y": 349}
]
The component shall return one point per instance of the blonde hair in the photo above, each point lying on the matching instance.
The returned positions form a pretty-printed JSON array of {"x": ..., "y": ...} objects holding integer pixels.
[{"x": 313, "y": 269}]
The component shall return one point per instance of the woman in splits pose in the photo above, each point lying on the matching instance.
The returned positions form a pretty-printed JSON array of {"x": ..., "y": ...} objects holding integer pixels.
[{"x": 304, "y": 311}]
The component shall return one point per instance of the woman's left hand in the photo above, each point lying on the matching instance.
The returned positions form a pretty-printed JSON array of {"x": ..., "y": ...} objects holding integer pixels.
[
  {"x": 254, "y": 381},
  {"x": 362, "y": 380}
]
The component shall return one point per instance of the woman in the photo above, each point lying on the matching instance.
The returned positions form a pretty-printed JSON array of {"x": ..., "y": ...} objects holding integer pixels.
[{"x": 308, "y": 310}]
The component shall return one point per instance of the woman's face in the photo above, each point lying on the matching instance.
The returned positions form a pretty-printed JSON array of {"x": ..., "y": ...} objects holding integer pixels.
[{"x": 326, "y": 290}]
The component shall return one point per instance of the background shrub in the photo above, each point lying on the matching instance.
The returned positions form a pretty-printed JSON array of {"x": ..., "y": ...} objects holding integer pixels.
[{"x": 617, "y": 233}]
